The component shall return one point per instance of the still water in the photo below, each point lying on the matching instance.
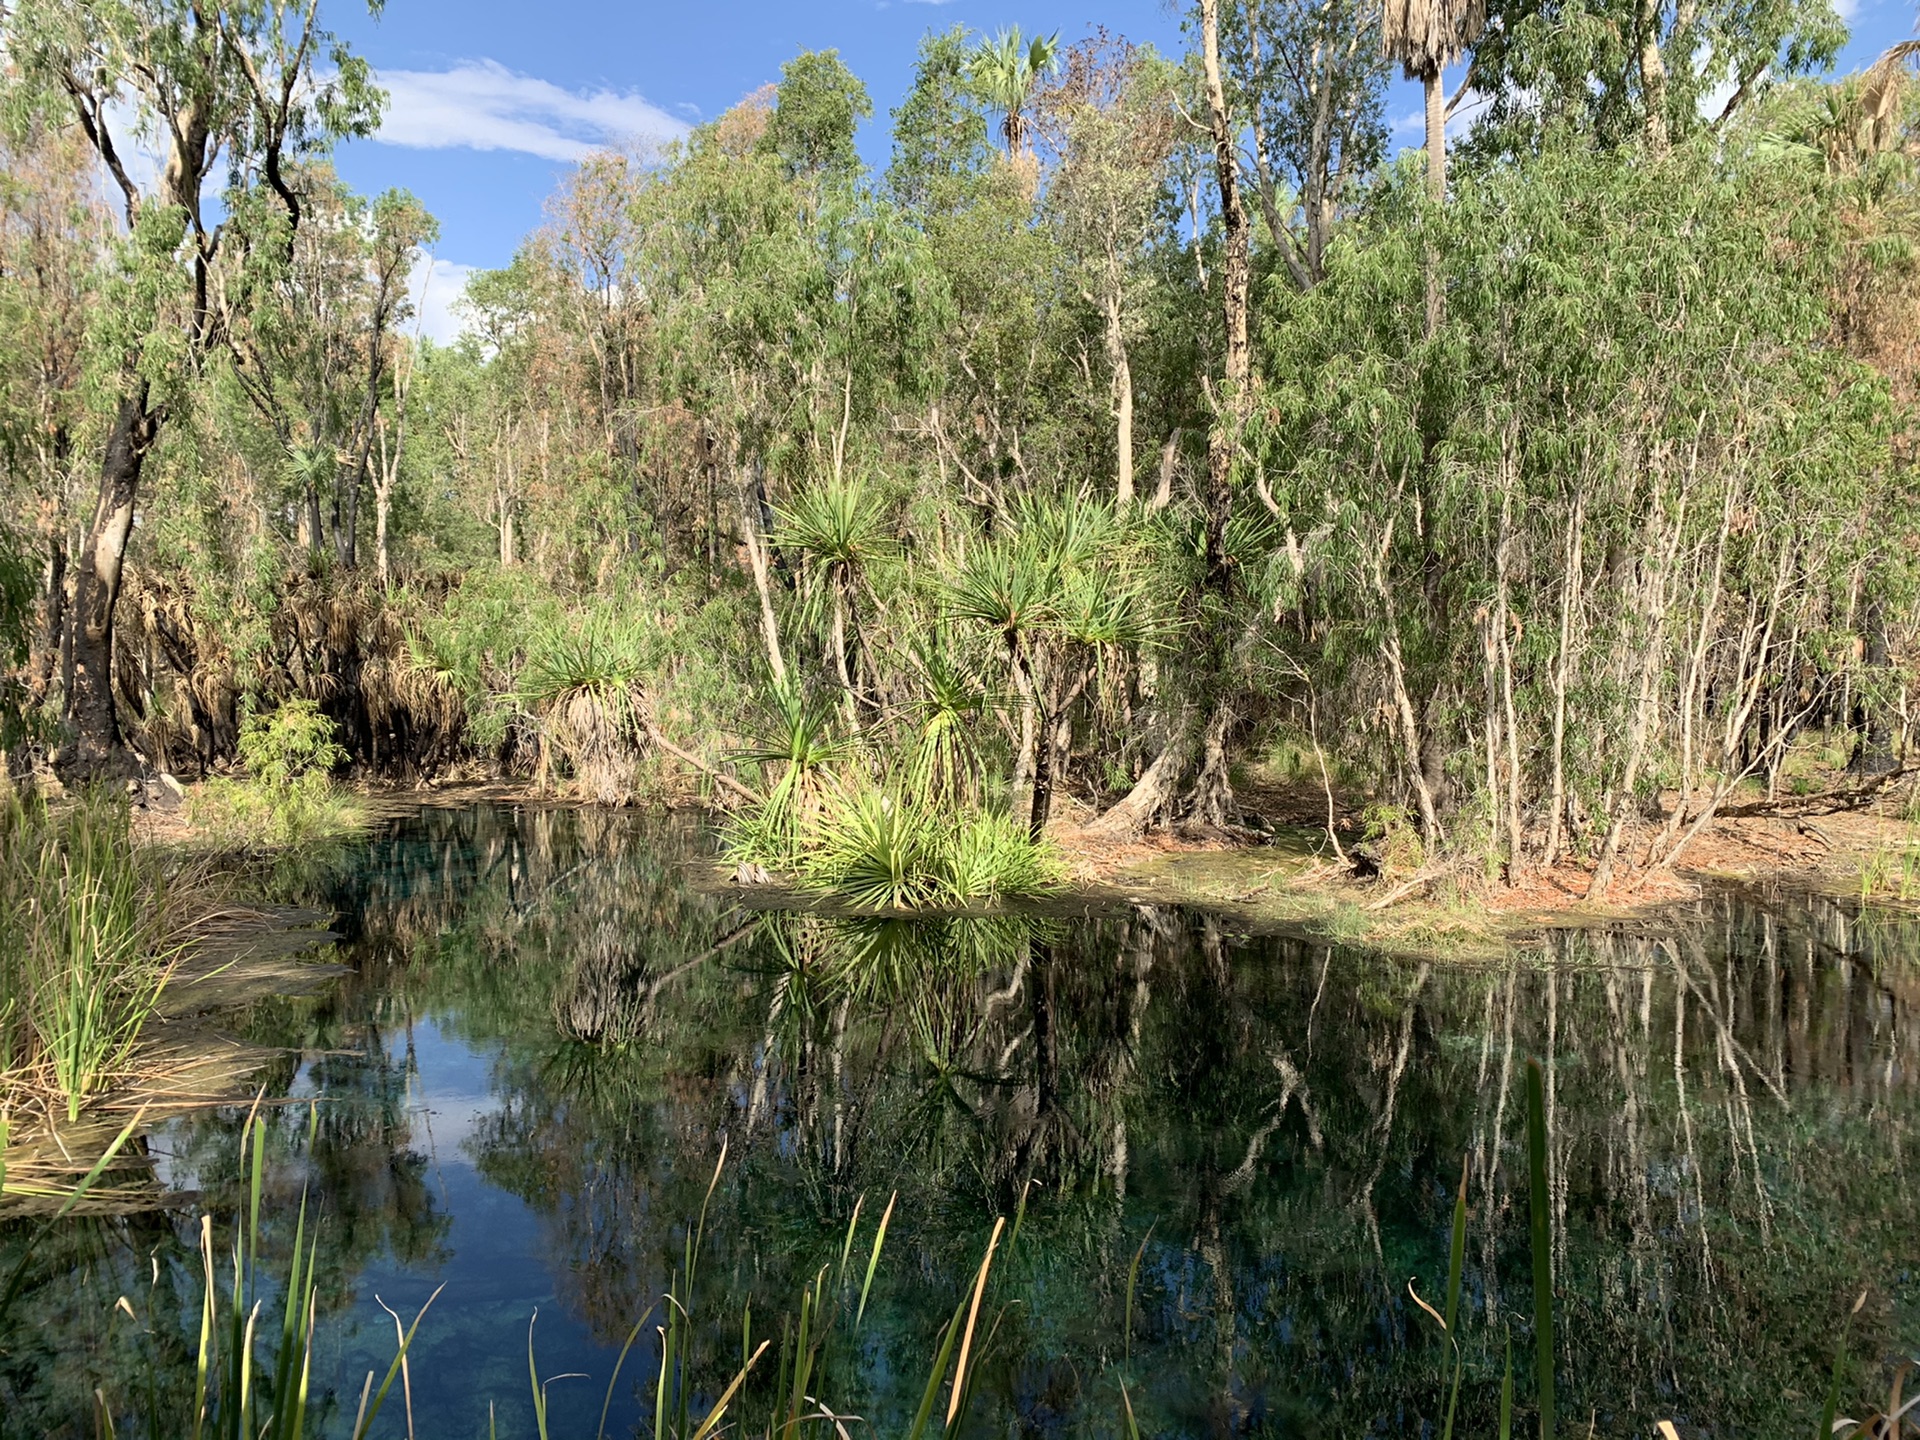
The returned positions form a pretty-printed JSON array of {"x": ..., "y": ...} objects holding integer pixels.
[{"x": 547, "y": 1035}]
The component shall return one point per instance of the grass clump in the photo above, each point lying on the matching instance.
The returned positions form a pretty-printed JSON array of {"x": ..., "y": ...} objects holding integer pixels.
[
  {"x": 288, "y": 797},
  {"x": 89, "y": 928}
]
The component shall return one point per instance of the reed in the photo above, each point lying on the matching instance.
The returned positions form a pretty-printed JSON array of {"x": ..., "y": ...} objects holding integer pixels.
[
  {"x": 253, "y": 1371},
  {"x": 89, "y": 928}
]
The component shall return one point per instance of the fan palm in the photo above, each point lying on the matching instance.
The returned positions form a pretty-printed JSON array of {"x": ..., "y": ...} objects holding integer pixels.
[
  {"x": 1426, "y": 36},
  {"x": 1004, "y": 70}
]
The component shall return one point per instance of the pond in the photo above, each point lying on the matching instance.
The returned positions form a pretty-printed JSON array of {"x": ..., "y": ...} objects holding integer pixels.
[{"x": 1235, "y": 1154}]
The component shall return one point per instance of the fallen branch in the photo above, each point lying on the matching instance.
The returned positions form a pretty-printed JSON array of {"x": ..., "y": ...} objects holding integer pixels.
[
  {"x": 1421, "y": 878},
  {"x": 653, "y": 734}
]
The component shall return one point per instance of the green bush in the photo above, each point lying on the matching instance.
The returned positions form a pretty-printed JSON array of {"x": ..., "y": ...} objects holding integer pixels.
[
  {"x": 285, "y": 747},
  {"x": 289, "y": 797}
]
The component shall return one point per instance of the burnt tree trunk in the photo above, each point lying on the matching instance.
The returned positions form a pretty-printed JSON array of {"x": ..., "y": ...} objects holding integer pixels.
[
  {"x": 53, "y": 626},
  {"x": 96, "y": 749}
]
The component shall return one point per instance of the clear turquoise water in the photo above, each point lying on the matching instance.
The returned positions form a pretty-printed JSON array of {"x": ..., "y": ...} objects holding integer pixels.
[{"x": 547, "y": 1034}]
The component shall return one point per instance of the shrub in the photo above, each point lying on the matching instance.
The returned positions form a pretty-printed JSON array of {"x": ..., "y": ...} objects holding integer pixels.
[{"x": 289, "y": 797}]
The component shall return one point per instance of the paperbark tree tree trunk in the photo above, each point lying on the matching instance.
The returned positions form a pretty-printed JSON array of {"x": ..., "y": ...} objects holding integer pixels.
[
  {"x": 1122, "y": 370},
  {"x": 97, "y": 750}
]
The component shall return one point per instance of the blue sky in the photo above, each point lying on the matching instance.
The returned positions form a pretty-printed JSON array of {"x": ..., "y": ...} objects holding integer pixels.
[{"x": 493, "y": 99}]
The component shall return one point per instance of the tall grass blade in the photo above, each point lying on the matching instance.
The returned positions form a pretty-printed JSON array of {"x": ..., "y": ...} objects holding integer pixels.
[
  {"x": 1506, "y": 1395},
  {"x": 949, "y": 1337},
  {"x": 361, "y": 1429},
  {"x": 846, "y": 1248},
  {"x": 533, "y": 1377},
  {"x": 714, "y": 1416},
  {"x": 1133, "y": 1281},
  {"x": 1830, "y": 1410},
  {"x": 873, "y": 1260},
  {"x": 1456, "y": 1267},
  {"x": 973, "y": 1318},
  {"x": 614, "y": 1379}
]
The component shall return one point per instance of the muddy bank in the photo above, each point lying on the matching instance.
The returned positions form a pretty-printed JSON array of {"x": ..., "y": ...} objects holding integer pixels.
[
  {"x": 1297, "y": 882},
  {"x": 185, "y": 1060}
]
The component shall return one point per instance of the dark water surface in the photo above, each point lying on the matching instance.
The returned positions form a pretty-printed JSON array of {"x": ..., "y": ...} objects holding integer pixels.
[{"x": 547, "y": 1033}]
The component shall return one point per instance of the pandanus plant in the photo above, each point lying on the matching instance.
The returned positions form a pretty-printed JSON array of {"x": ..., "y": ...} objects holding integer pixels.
[
  {"x": 796, "y": 755},
  {"x": 1063, "y": 595},
  {"x": 838, "y": 527}
]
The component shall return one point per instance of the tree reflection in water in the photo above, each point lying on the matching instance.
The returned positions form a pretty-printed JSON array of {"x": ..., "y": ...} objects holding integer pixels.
[{"x": 1731, "y": 1102}]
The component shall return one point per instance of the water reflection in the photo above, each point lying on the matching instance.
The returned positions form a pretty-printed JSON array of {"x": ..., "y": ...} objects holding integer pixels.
[{"x": 549, "y": 1031}]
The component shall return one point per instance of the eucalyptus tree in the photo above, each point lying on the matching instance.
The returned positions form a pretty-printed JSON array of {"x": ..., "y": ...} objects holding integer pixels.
[
  {"x": 308, "y": 333},
  {"x": 258, "y": 83},
  {"x": 1645, "y": 72},
  {"x": 1110, "y": 119},
  {"x": 1310, "y": 79},
  {"x": 53, "y": 226},
  {"x": 819, "y": 104},
  {"x": 941, "y": 145}
]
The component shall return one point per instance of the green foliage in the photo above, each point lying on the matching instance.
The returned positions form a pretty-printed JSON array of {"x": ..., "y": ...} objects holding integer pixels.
[
  {"x": 89, "y": 926},
  {"x": 1635, "y": 368},
  {"x": 583, "y": 681},
  {"x": 1577, "y": 66},
  {"x": 875, "y": 849},
  {"x": 796, "y": 755},
  {"x": 289, "y": 797},
  {"x": 16, "y": 619},
  {"x": 940, "y": 131},
  {"x": 283, "y": 748},
  {"x": 820, "y": 104},
  {"x": 1005, "y": 69}
]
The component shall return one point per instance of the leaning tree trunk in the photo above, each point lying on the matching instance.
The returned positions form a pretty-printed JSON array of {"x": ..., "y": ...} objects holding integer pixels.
[{"x": 96, "y": 750}]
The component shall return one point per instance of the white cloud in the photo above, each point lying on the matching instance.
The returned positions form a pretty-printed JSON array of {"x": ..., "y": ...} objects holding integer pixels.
[
  {"x": 482, "y": 105},
  {"x": 438, "y": 286}
]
